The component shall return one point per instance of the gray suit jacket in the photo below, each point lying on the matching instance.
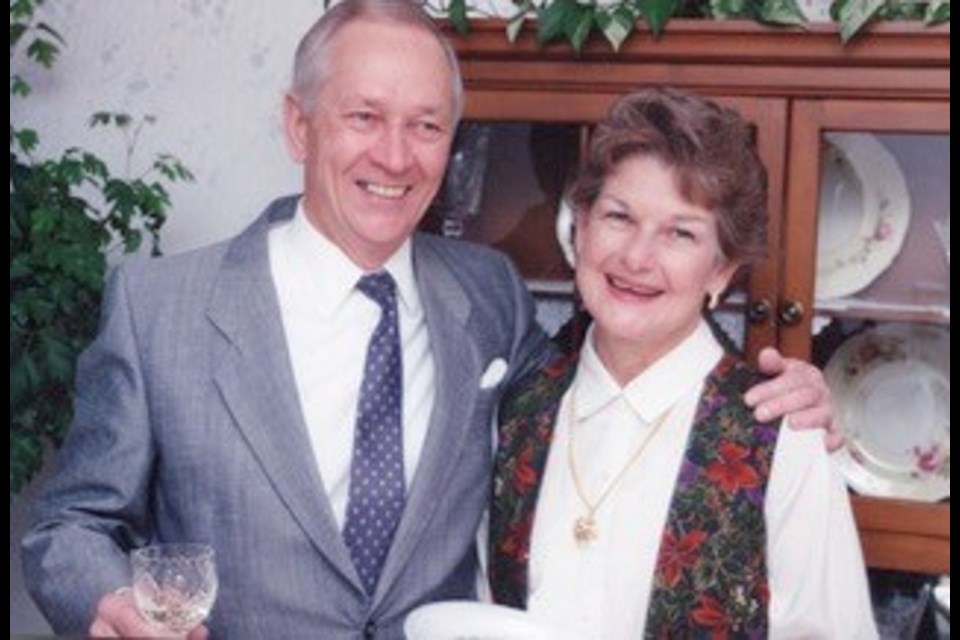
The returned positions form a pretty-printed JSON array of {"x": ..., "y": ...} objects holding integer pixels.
[{"x": 187, "y": 427}]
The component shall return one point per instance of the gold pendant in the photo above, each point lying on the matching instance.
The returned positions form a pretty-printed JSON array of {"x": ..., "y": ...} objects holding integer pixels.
[{"x": 585, "y": 529}]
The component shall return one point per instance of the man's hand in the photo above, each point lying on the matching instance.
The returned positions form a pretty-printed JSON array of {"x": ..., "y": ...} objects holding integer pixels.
[
  {"x": 117, "y": 617},
  {"x": 798, "y": 389}
]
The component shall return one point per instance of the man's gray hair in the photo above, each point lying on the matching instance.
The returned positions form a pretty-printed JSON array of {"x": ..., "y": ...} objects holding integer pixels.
[{"x": 311, "y": 63}]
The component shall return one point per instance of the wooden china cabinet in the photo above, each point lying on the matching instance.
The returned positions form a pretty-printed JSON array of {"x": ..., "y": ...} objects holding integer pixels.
[{"x": 532, "y": 108}]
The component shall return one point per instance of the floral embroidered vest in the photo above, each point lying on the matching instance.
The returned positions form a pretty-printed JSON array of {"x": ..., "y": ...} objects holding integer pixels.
[{"x": 711, "y": 577}]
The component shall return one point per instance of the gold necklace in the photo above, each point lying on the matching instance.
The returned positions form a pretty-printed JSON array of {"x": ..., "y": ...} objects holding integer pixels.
[{"x": 585, "y": 527}]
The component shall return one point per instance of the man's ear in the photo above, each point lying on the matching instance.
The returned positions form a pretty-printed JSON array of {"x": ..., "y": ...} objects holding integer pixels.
[{"x": 296, "y": 127}]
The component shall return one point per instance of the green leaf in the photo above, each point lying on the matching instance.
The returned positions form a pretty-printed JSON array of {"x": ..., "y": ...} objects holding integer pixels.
[
  {"x": 457, "y": 12},
  {"x": 26, "y": 455},
  {"x": 58, "y": 358},
  {"x": 21, "y": 10},
  {"x": 19, "y": 86},
  {"x": 515, "y": 23},
  {"x": 551, "y": 19},
  {"x": 783, "y": 12},
  {"x": 171, "y": 168},
  {"x": 100, "y": 118},
  {"x": 579, "y": 26},
  {"x": 657, "y": 13},
  {"x": 132, "y": 241},
  {"x": 94, "y": 166},
  {"x": 854, "y": 14},
  {"x": 726, "y": 9},
  {"x": 20, "y": 381},
  {"x": 118, "y": 119},
  {"x": 16, "y": 31},
  {"x": 43, "y": 51},
  {"x": 617, "y": 25},
  {"x": 937, "y": 11},
  {"x": 27, "y": 139}
]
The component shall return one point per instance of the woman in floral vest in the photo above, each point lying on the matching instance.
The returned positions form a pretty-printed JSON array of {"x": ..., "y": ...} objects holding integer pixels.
[{"x": 635, "y": 494}]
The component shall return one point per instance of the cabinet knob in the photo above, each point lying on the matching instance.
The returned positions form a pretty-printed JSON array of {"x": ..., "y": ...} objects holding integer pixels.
[
  {"x": 791, "y": 312},
  {"x": 758, "y": 311}
]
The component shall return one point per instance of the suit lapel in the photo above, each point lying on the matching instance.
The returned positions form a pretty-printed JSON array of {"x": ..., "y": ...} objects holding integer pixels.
[
  {"x": 457, "y": 365},
  {"x": 256, "y": 381}
]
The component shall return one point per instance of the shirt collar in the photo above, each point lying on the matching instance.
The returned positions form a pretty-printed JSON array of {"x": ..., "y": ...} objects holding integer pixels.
[
  {"x": 311, "y": 252},
  {"x": 657, "y": 388}
]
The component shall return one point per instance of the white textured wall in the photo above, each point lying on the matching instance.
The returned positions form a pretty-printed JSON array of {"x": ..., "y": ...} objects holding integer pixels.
[{"x": 213, "y": 72}]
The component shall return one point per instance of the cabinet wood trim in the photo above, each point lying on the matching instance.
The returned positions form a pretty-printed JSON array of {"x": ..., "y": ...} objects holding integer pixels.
[{"x": 717, "y": 56}]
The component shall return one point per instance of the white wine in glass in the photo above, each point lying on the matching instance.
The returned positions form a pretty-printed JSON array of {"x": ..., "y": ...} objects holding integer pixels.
[{"x": 174, "y": 585}]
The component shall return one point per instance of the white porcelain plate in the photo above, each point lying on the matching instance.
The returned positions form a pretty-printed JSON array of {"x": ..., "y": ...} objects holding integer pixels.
[
  {"x": 564, "y": 232},
  {"x": 472, "y": 620},
  {"x": 891, "y": 387},
  {"x": 942, "y": 593},
  {"x": 864, "y": 213}
]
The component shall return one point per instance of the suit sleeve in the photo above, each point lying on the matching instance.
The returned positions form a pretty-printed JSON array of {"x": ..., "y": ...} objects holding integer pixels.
[
  {"x": 532, "y": 348},
  {"x": 94, "y": 507}
]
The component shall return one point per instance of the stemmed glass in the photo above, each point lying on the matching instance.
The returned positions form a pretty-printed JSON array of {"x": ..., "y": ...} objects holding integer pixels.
[{"x": 174, "y": 585}]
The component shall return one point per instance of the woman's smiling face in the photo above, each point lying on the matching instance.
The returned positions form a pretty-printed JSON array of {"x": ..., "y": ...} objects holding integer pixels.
[{"x": 646, "y": 260}]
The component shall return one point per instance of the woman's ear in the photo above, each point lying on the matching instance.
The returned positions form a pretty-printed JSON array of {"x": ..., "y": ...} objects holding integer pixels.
[
  {"x": 719, "y": 283},
  {"x": 713, "y": 300}
]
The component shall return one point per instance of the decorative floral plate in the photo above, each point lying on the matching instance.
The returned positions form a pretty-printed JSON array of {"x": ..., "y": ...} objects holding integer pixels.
[
  {"x": 864, "y": 213},
  {"x": 891, "y": 387}
]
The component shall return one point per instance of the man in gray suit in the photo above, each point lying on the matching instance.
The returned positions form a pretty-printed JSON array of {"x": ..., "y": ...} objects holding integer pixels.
[{"x": 219, "y": 402}]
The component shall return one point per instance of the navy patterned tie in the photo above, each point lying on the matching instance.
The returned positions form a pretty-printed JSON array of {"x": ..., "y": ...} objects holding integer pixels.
[{"x": 376, "y": 471}]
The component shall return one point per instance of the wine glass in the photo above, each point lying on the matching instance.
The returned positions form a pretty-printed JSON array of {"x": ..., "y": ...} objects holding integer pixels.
[{"x": 174, "y": 585}]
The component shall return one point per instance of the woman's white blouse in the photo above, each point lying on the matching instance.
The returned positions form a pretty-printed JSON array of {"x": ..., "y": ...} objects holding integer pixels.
[{"x": 816, "y": 573}]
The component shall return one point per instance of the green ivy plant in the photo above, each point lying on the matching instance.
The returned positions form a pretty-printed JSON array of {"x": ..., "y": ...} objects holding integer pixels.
[
  {"x": 68, "y": 214},
  {"x": 574, "y": 21}
]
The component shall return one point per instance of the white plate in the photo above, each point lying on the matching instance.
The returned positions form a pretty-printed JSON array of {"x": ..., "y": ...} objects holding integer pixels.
[
  {"x": 472, "y": 620},
  {"x": 864, "y": 213},
  {"x": 942, "y": 593},
  {"x": 564, "y": 232},
  {"x": 891, "y": 387}
]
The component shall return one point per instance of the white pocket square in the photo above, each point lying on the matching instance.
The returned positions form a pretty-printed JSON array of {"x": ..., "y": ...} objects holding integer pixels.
[{"x": 494, "y": 373}]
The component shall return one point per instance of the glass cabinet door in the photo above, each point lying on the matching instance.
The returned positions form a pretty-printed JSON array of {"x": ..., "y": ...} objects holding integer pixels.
[
  {"x": 504, "y": 188},
  {"x": 867, "y": 251},
  {"x": 881, "y": 328}
]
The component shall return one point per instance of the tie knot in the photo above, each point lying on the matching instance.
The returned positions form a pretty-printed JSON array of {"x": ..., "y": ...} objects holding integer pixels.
[{"x": 379, "y": 287}]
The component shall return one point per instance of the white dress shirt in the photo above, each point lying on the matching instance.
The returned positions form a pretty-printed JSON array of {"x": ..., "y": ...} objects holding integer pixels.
[
  {"x": 816, "y": 573},
  {"x": 328, "y": 324}
]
